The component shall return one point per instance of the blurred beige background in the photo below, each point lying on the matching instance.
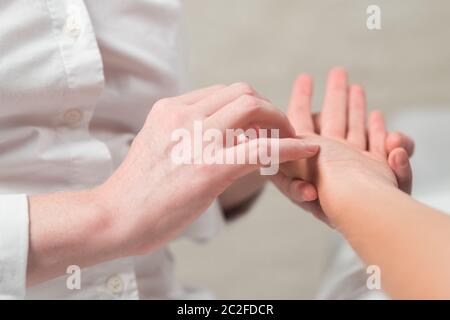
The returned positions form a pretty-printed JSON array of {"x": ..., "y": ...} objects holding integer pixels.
[{"x": 277, "y": 251}]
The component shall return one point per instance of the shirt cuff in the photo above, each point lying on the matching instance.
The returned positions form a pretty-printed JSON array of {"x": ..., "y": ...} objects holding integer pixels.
[
  {"x": 207, "y": 225},
  {"x": 14, "y": 228}
]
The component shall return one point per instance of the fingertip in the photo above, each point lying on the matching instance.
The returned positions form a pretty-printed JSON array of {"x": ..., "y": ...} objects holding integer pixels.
[
  {"x": 306, "y": 191},
  {"x": 295, "y": 149},
  {"x": 376, "y": 115},
  {"x": 398, "y": 140},
  {"x": 357, "y": 89},
  {"x": 304, "y": 78},
  {"x": 398, "y": 159},
  {"x": 338, "y": 70},
  {"x": 337, "y": 78},
  {"x": 391, "y": 160},
  {"x": 399, "y": 162},
  {"x": 401, "y": 158},
  {"x": 304, "y": 84},
  {"x": 311, "y": 149},
  {"x": 310, "y": 193}
]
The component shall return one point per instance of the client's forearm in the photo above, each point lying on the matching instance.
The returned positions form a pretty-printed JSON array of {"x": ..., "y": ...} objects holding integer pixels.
[
  {"x": 407, "y": 240},
  {"x": 67, "y": 229}
]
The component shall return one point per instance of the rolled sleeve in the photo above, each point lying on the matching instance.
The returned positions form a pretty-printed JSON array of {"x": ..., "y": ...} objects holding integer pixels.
[{"x": 14, "y": 225}]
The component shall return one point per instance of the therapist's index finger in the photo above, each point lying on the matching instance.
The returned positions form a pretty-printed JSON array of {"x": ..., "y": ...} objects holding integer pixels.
[{"x": 266, "y": 154}]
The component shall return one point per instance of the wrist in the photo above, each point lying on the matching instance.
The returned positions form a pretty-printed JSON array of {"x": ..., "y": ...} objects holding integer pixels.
[
  {"x": 111, "y": 220},
  {"x": 345, "y": 198},
  {"x": 67, "y": 228}
]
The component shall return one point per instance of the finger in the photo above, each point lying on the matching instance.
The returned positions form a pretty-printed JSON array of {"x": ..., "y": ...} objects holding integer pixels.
[
  {"x": 247, "y": 111},
  {"x": 356, "y": 134},
  {"x": 377, "y": 134},
  {"x": 253, "y": 155},
  {"x": 396, "y": 140},
  {"x": 299, "y": 111},
  {"x": 196, "y": 95},
  {"x": 316, "y": 121},
  {"x": 334, "y": 111},
  {"x": 297, "y": 190},
  {"x": 301, "y": 193},
  {"x": 214, "y": 102},
  {"x": 399, "y": 162}
]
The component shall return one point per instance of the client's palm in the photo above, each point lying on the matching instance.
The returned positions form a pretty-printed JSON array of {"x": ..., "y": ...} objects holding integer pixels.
[{"x": 347, "y": 143}]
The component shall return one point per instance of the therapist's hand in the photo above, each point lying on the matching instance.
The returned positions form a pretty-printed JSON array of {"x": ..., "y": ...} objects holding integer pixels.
[
  {"x": 150, "y": 199},
  {"x": 341, "y": 102}
]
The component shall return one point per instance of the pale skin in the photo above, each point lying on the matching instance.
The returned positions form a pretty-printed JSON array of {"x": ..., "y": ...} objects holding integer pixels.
[
  {"x": 341, "y": 100},
  {"x": 339, "y": 95},
  {"x": 121, "y": 217},
  {"x": 149, "y": 200},
  {"x": 129, "y": 214},
  {"x": 359, "y": 195}
]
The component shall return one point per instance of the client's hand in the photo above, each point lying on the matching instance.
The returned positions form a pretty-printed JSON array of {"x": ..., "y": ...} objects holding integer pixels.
[
  {"x": 342, "y": 119},
  {"x": 339, "y": 167}
]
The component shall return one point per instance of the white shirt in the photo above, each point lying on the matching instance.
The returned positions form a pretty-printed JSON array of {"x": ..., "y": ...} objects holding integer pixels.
[{"x": 77, "y": 80}]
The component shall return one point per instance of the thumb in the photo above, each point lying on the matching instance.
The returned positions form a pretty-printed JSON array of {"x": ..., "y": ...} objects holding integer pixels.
[{"x": 398, "y": 160}]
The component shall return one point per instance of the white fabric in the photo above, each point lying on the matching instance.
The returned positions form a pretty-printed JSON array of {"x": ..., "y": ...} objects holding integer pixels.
[
  {"x": 13, "y": 245},
  {"x": 77, "y": 80},
  {"x": 346, "y": 274}
]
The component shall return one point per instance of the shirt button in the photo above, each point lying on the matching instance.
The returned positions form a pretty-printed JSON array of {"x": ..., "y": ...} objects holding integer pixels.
[
  {"x": 72, "y": 27},
  {"x": 115, "y": 284},
  {"x": 72, "y": 117}
]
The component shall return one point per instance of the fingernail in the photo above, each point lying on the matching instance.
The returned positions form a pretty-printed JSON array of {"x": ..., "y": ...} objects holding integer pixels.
[
  {"x": 308, "y": 193},
  {"x": 401, "y": 160},
  {"x": 311, "y": 148}
]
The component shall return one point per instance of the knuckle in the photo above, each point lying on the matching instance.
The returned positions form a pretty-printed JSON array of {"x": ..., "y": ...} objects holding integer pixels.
[
  {"x": 248, "y": 103},
  {"x": 162, "y": 103},
  {"x": 175, "y": 118},
  {"x": 272, "y": 108},
  {"x": 220, "y": 86},
  {"x": 245, "y": 88},
  {"x": 179, "y": 117}
]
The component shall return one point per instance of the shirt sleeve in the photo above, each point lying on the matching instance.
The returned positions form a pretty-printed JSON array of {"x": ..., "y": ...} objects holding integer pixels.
[
  {"x": 207, "y": 225},
  {"x": 14, "y": 226}
]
